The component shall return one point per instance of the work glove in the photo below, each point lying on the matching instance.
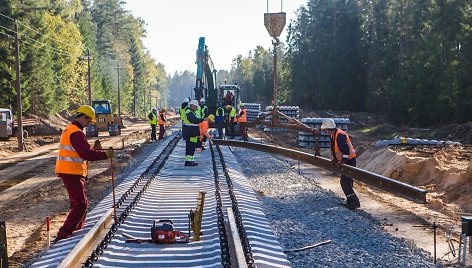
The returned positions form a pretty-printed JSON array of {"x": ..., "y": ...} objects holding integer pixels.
[
  {"x": 97, "y": 145},
  {"x": 110, "y": 153}
]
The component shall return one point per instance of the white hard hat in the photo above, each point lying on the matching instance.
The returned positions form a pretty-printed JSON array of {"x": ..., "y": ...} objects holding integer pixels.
[
  {"x": 328, "y": 123},
  {"x": 186, "y": 100},
  {"x": 202, "y": 100},
  {"x": 193, "y": 102}
]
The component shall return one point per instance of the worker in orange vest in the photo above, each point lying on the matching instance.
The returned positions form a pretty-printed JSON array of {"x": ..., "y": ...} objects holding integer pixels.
[
  {"x": 72, "y": 167},
  {"x": 342, "y": 152},
  {"x": 242, "y": 119},
  {"x": 204, "y": 135},
  {"x": 161, "y": 121}
]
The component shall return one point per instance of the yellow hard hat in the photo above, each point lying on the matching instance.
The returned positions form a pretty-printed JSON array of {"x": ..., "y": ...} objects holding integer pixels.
[
  {"x": 88, "y": 111},
  {"x": 211, "y": 117},
  {"x": 164, "y": 109},
  {"x": 228, "y": 106}
]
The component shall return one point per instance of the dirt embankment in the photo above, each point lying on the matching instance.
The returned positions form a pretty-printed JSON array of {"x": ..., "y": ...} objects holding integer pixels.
[{"x": 446, "y": 172}]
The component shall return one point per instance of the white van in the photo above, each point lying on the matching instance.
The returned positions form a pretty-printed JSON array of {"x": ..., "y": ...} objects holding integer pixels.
[{"x": 6, "y": 123}]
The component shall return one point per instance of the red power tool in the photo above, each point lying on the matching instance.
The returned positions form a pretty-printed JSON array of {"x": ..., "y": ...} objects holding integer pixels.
[{"x": 162, "y": 232}]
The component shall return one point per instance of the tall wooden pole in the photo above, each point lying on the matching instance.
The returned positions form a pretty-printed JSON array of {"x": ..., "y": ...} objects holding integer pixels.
[
  {"x": 119, "y": 96},
  {"x": 89, "y": 88},
  {"x": 18, "y": 91}
]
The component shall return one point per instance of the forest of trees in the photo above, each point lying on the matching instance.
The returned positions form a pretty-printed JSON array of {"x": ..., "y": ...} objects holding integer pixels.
[
  {"x": 55, "y": 37},
  {"x": 410, "y": 60}
]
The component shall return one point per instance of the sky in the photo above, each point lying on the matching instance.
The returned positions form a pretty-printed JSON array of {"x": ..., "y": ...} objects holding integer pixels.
[{"x": 229, "y": 27}]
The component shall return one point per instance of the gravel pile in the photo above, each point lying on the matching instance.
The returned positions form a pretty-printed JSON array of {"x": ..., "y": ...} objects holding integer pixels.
[{"x": 301, "y": 213}]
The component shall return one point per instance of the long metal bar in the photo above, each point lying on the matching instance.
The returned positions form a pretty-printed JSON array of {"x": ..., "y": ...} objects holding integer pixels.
[{"x": 378, "y": 181}]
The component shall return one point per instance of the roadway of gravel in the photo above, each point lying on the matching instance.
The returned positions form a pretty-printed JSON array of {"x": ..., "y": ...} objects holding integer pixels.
[{"x": 302, "y": 213}]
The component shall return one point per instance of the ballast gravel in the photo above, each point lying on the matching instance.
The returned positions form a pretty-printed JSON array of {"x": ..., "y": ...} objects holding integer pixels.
[{"x": 301, "y": 213}]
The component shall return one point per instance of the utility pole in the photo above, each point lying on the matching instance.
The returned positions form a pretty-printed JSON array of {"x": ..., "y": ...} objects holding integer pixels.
[
  {"x": 89, "y": 88},
  {"x": 150, "y": 98},
  {"x": 119, "y": 97},
  {"x": 134, "y": 96},
  {"x": 18, "y": 91},
  {"x": 157, "y": 90}
]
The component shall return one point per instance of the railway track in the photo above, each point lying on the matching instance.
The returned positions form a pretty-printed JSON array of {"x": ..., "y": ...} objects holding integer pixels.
[{"x": 162, "y": 188}]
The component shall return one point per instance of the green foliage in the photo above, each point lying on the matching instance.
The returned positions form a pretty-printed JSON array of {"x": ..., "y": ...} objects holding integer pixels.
[{"x": 55, "y": 37}]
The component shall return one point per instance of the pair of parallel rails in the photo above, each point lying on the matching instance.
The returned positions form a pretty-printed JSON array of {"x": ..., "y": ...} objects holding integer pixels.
[{"x": 163, "y": 188}]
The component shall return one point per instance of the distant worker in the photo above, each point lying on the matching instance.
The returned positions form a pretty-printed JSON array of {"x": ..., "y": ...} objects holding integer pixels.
[
  {"x": 204, "y": 135},
  {"x": 191, "y": 131},
  {"x": 152, "y": 116},
  {"x": 231, "y": 120},
  {"x": 220, "y": 121},
  {"x": 228, "y": 98},
  {"x": 72, "y": 167},
  {"x": 203, "y": 109},
  {"x": 342, "y": 152},
  {"x": 242, "y": 119},
  {"x": 161, "y": 121}
]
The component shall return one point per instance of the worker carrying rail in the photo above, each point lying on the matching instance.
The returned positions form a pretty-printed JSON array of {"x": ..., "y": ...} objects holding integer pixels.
[
  {"x": 72, "y": 168},
  {"x": 342, "y": 152}
]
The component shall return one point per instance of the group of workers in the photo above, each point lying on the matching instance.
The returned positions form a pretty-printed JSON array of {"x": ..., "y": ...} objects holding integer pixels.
[
  {"x": 196, "y": 118},
  {"x": 157, "y": 119},
  {"x": 74, "y": 152}
]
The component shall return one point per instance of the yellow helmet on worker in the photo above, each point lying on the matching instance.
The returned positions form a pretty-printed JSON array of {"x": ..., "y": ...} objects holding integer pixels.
[
  {"x": 87, "y": 111},
  {"x": 211, "y": 117}
]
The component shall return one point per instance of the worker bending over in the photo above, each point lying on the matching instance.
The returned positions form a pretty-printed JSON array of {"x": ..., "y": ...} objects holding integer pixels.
[
  {"x": 342, "y": 152},
  {"x": 242, "y": 119},
  {"x": 191, "y": 131},
  {"x": 161, "y": 121},
  {"x": 72, "y": 167},
  {"x": 204, "y": 135}
]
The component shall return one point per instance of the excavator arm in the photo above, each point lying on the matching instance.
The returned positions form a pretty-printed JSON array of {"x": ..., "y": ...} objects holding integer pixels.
[{"x": 206, "y": 75}]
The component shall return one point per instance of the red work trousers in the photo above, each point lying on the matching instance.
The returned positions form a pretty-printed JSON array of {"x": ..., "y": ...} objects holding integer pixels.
[
  {"x": 162, "y": 131},
  {"x": 75, "y": 186}
]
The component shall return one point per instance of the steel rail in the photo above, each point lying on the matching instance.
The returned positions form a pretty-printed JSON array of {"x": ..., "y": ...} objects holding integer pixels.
[{"x": 378, "y": 181}]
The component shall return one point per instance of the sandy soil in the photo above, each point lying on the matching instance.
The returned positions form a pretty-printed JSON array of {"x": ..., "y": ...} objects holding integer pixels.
[
  {"x": 30, "y": 191},
  {"x": 445, "y": 171}
]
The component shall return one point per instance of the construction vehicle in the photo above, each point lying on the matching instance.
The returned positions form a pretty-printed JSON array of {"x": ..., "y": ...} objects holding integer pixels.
[
  {"x": 8, "y": 126},
  {"x": 105, "y": 120},
  {"x": 205, "y": 83}
]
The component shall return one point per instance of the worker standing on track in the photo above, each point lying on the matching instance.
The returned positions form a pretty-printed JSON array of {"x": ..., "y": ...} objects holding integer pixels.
[
  {"x": 242, "y": 119},
  {"x": 203, "y": 109},
  {"x": 342, "y": 152},
  {"x": 72, "y": 168},
  {"x": 161, "y": 121},
  {"x": 153, "y": 122},
  {"x": 219, "y": 119},
  {"x": 191, "y": 131},
  {"x": 231, "y": 120}
]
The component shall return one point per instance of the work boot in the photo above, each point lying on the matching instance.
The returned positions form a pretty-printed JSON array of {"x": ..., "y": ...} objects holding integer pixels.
[
  {"x": 353, "y": 202},
  {"x": 190, "y": 164}
]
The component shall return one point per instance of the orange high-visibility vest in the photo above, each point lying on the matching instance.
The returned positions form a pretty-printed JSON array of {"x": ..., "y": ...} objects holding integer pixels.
[
  {"x": 204, "y": 130},
  {"x": 338, "y": 153},
  {"x": 243, "y": 118},
  {"x": 159, "y": 119},
  {"x": 68, "y": 160}
]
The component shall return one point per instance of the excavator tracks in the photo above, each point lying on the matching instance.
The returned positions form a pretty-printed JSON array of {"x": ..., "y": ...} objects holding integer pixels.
[{"x": 163, "y": 188}]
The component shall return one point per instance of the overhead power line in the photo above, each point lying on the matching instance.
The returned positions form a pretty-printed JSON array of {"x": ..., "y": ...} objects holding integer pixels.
[
  {"x": 56, "y": 50},
  {"x": 36, "y": 31},
  {"x": 7, "y": 35},
  {"x": 3, "y": 27}
]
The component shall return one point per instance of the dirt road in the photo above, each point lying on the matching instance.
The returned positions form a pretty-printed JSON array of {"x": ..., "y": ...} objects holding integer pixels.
[{"x": 30, "y": 190}]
